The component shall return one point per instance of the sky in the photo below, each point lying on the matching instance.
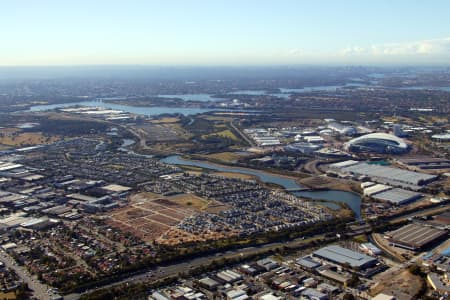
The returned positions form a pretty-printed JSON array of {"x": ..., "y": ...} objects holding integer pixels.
[{"x": 224, "y": 32}]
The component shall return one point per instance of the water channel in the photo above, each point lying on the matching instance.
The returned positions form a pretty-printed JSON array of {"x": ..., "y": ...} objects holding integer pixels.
[
  {"x": 141, "y": 110},
  {"x": 332, "y": 197}
]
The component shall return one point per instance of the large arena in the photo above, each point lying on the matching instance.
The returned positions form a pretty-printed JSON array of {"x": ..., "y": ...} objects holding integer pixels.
[{"x": 378, "y": 143}]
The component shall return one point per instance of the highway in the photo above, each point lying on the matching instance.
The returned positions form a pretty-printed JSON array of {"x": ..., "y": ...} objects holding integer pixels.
[
  {"x": 243, "y": 135},
  {"x": 39, "y": 289},
  {"x": 172, "y": 270},
  {"x": 423, "y": 212}
]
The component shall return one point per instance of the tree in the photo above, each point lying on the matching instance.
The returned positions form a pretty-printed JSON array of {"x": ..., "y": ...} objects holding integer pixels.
[
  {"x": 348, "y": 297},
  {"x": 353, "y": 281}
]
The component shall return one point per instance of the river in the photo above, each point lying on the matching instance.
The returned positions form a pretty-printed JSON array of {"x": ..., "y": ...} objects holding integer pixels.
[
  {"x": 333, "y": 196},
  {"x": 139, "y": 110},
  {"x": 193, "y": 97}
]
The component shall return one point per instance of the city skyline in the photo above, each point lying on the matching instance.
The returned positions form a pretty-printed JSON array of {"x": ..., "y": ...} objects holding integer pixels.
[{"x": 225, "y": 33}]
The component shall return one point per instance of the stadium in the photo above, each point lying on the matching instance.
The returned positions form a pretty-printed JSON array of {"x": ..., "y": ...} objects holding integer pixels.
[{"x": 377, "y": 143}]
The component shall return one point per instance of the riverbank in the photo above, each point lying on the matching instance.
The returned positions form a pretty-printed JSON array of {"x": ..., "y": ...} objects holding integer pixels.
[
  {"x": 331, "y": 197},
  {"x": 322, "y": 183}
]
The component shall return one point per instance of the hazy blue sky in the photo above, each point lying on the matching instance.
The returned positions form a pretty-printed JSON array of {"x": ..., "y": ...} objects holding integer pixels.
[{"x": 224, "y": 32}]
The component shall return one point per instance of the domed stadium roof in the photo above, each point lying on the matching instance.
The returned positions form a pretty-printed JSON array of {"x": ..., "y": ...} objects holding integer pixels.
[{"x": 378, "y": 143}]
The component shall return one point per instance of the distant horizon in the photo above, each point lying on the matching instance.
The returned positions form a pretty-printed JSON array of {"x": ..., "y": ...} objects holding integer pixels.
[
  {"x": 225, "y": 33},
  {"x": 330, "y": 65}
]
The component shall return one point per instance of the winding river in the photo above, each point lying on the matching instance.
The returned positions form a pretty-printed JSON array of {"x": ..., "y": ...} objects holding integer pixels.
[
  {"x": 141, "y": 110},
  {"x": 330, "y": 196}
]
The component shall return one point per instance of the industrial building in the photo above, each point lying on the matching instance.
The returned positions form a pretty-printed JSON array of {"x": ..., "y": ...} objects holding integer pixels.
[
  {"x": 383, "y": 174},
  {"x": 444, "y": 137},
  {"x": 375, "y": 189},
  {"x": 415, "y": 236},
  {"x": 305, "y": 148},
  {"x": 313, "y": 294},
  {"x": 377, "y": 143},
  {"x": 343, "y": 256},
  {"x": 308, "y": 263},
  {"x": 426, "y": 162},
  {"x": 397, "y": 196},
  {"x": 342, "y": 129},
  {"x": 443, "y": 218},
  {"x": 370, "y": 249}
]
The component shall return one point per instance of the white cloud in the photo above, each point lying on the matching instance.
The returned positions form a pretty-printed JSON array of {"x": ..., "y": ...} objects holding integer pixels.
[
  {"x": 425, "y": 47},
  {"x": 296, "y": 52}
]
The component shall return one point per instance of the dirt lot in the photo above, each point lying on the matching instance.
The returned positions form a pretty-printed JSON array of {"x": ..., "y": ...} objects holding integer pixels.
[
  {"x": 148, "y": 216},
  {"x": 215, "y": 207},
  {"x": 8, "y": 296},
  {"x": 162, "y": 132},
  {"x": 394, "y": 251},
  {"x": 27, "y": 139},
  {"x": 401, "y": 284},
  {"x": 323, "y": 182},
  {"x": 151, "y": 217}
]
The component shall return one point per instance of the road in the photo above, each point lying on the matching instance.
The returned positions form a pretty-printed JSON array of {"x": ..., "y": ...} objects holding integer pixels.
[
  {"x": 39, "y": 289},
  {"x": 311, "y": 167},
  {"x": 249, "y": 141},
  {"x": 172, "y": 270},
  {"x": 422, "y": 213}
]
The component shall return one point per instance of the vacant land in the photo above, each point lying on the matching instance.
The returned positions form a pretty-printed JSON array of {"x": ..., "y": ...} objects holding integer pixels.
[
  {"x": 215, "y": 207},
  {"x": 148, "y": 217},
  {"x": 162, "y": 132},
  {"x": 190, "y": 201},
  {"x": 227, "y": 134},
  {"x": 235, "y": 175},
  {"x": 165, "y": 120},
  {"x": 401, "y": 284},
  {"x": 27, "y": 139},
  {"x": 8, "y": 296},
  {"x": 224, "y": 156},
  {"x": 321, "y": 182}
]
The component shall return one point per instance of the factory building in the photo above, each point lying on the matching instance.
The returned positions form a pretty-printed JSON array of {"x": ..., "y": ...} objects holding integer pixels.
[
  {"x": 415, "y": 236},
  {"x": 444, "y": 137},
  {"x": 397, "y": 196},
  {"x": 343, "y": 256},
  {"x": 383, "y": 174}
]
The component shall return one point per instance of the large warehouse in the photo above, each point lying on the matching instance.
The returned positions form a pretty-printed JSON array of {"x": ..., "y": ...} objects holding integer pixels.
[
  {"x": 397, "y": 196},
  {"x": 415, "y": 236},
  {"x": 377, "y": 143},
  {"x": 382, "y": 174},
  {"x": 343, "y": 256}
]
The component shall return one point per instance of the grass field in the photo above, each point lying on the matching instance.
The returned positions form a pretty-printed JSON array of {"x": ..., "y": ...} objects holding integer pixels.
[
  {"x": 148, "y": 196},
  {"x": 7, "y": 296},
  {"x": 27, "y": 139},
  {"x": 218, "y": 118},
  {"x": 235, "y": 175},
  {"x": 224, "y": 156},
  {"x": 224, "y": 134},
  {"x": 165, "y": 120},
  {"x": 189, "y": 200}
]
